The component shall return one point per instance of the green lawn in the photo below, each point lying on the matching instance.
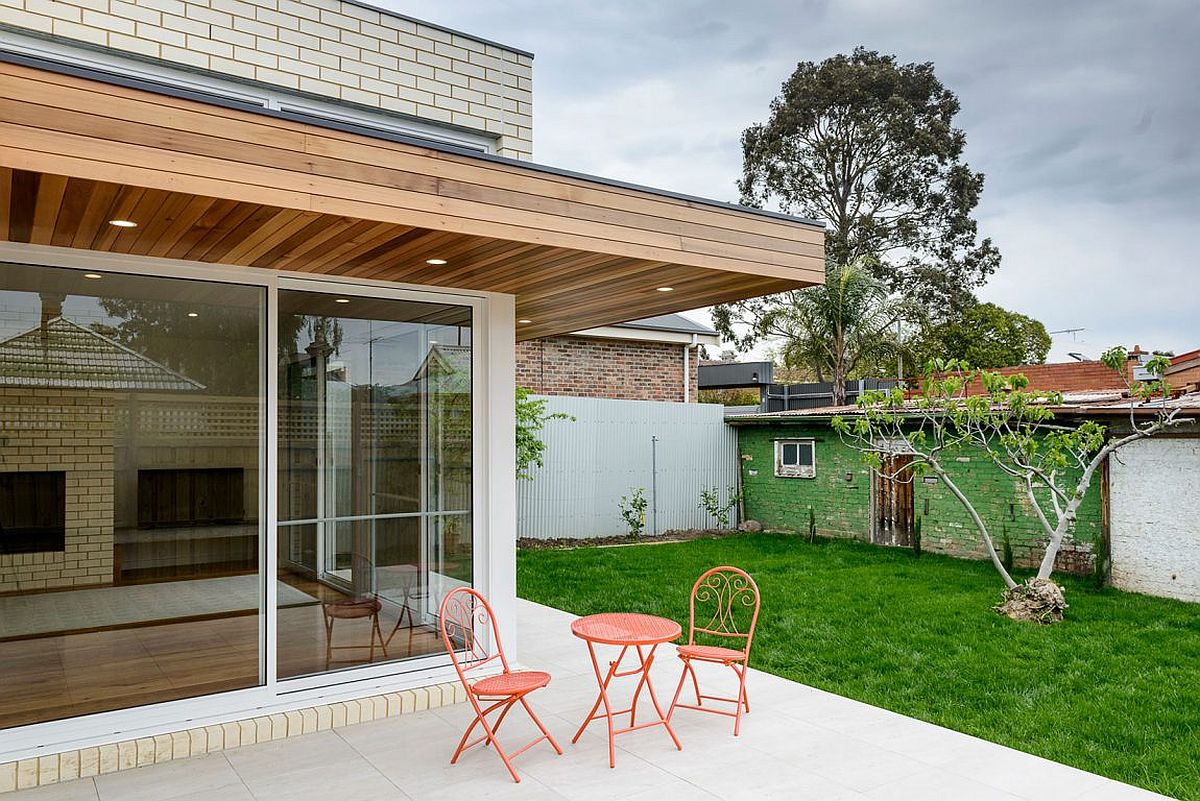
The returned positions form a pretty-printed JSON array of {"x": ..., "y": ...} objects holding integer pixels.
[{"x": 1114, "y": 690}]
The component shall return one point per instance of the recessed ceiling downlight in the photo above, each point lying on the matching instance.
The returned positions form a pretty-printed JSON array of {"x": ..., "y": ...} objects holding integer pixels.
[
  {"x": 524, "y": 322},
  {"x": 123, "y": 223},
  {"x": 342, "y": 300},
  {"x": 665, "y": 289},
  {"x": 193, "y": 314},
  {"x": 92, "y": 276},
  {"x": 435, "y": 262}
]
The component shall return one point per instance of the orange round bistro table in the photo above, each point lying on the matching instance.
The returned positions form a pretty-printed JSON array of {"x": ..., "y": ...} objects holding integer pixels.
[{"x": 626, "y": 630}]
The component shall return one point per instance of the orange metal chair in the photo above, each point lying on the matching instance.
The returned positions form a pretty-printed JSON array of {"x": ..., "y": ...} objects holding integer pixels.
[
  {"x": 727, "y": 602},
  {"x": 465, "y": 617}
]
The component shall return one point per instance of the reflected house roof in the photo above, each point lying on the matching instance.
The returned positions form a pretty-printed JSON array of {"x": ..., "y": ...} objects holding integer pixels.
[
  {"x": 451, "y": 364},
  {"x": 64, "y": 354}
]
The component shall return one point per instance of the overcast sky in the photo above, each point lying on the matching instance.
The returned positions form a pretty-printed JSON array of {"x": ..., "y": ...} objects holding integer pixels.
[{"x": 1084, "y": 116}]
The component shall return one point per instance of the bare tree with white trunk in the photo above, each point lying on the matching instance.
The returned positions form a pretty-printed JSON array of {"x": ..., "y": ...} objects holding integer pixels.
[{"x": 1052, "y": 463}]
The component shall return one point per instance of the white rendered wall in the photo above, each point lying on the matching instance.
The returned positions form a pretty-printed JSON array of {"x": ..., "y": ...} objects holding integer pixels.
[{"x": 1155, "y": 518}]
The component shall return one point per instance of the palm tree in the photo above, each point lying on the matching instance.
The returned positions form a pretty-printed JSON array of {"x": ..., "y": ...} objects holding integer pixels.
[{"x": 849, "y": 324}]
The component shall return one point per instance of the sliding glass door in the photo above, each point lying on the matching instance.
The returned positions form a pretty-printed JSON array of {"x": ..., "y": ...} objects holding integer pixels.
[{"x": 374, "y": 475}]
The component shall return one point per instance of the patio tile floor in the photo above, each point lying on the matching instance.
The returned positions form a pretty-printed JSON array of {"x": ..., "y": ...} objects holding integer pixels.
[{"x": 799, "y": 742}]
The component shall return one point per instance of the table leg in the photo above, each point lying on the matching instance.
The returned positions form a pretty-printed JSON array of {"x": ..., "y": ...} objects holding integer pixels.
[
  {"x": 646, "y": 663},
  {"x": 603, "y": 698}
]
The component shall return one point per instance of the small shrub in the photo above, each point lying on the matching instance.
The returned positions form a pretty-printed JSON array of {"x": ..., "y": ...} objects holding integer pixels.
[
  {"x": 710, "y": 502},
  {"x": 812, "y": 526},
  {"x": 633, "y": 510},
  {"x": 916, "y": 536}
]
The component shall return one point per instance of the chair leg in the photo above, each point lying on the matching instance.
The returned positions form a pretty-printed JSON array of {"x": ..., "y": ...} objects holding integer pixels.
[
  {"x": 678, "y": 690},
  {"x": 328, "y": 642},
  {"x": 538, "y": 723},
  {"x": 741, "y": 699},
  {"x": 377, "y": 632}
]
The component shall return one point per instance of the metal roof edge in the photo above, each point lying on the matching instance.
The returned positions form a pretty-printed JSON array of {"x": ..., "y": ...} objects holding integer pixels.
[{"x": 167, "y": 89}]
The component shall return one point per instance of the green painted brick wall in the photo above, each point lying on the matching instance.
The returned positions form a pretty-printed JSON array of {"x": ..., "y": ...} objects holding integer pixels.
[{"x": 840, "y": 496}]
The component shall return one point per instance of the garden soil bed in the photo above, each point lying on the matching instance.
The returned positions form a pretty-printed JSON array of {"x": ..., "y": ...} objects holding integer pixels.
[{"x": 681, "y": 535}]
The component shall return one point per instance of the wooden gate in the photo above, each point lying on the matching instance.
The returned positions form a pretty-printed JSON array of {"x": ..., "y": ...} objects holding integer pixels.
[{"x": 893, "y": 502}]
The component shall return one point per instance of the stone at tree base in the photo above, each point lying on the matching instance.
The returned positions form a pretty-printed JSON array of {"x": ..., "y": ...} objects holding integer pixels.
[
  {"x": 750, "y": 525},
  {"x": 1035, "y": 601}
]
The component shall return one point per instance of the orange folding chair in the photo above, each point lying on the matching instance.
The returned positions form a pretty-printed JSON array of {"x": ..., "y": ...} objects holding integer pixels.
[
  {"x": 464, "y": 619},
  {"x": 727, "y": 602}
]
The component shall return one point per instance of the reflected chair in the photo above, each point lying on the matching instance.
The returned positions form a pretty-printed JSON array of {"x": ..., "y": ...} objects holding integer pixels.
[
  {"x": 467, "y": 624},
  {"x": 411, "y": 593},
  {"x": 726, "y": 602},
  {"x": 352, "y": 609}
]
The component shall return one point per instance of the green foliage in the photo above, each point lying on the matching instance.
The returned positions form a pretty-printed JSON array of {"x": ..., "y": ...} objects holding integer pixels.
[
  {"x": 633, "y": 510},
  {"x": 812, "y": 525},
  {"x": 1112, "y": 690},
  {"x": 869, "y": 146},
  {"x": 531, "y": 419},
  {"x": 729, "y": 397},
  {"x": 916, "y": 536},
  {"x": 1013, "y": 426},
  {"x": 986, "y": 335},
  {"x": 710, "y": 502},
  {"x": 836, "y": 330}
]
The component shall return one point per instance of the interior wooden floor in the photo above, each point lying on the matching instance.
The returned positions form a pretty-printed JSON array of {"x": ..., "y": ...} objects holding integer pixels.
[{"x": 49, "y": 678}]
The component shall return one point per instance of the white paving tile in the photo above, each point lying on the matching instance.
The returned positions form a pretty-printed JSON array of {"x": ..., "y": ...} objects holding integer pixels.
[{"x": 799, "y": 742}]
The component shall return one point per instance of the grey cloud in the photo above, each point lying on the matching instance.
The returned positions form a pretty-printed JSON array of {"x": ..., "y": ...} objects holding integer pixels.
[{"x": 1082, "y": 113}]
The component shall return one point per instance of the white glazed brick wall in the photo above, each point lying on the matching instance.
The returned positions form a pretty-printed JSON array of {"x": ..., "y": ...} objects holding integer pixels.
[
  {"x": 127, "y": 754},
  {"x": 69, "y": 431},
  {"x": 1155, "y": 490},
  {"x": 330, "y": 48}
]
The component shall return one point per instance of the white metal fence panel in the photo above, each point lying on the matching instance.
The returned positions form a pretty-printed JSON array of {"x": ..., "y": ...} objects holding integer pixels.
[{"x": 670, "y": 450}]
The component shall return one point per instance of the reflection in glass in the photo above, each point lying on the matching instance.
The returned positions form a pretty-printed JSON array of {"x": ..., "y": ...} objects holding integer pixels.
[
  {"x": 374, "y": 480},
  {"x": 129, "y": 490}
]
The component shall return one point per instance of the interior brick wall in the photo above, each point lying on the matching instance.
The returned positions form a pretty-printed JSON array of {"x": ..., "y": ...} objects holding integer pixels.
[
  {"x": 605, "y": 368},
  {"x": 70, "y": 431},
  {"x": 329, "y": 48}
]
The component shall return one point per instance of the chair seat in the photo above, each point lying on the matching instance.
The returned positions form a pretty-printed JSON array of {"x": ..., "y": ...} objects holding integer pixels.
[
  {"x": 710, "y": 653},
  {"x": 350, "y": 608},
  {"x": 516, "y": 683}
]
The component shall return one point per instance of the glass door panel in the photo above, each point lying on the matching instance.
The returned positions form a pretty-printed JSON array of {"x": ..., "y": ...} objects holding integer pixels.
[{"x": 374, "y": 475}]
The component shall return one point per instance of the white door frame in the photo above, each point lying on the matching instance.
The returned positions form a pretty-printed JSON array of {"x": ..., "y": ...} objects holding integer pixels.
[{"x": 493, "y": 513}]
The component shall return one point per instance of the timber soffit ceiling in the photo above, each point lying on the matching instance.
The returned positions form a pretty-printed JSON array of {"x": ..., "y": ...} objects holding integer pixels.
[{"x": 210, "y": 183}]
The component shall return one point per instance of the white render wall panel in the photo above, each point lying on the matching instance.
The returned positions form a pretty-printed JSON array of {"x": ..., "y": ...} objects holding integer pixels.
[
  {"x": 608, "y": 450},
  {"x": 1155, "y": 517}
]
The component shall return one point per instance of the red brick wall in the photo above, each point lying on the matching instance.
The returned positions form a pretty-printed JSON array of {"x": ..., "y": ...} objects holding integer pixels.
[{"x": 604, "y": 368}]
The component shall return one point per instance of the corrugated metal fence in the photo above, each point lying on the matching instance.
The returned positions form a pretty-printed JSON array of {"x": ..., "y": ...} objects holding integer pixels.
[{"x": 671, "y": 450}]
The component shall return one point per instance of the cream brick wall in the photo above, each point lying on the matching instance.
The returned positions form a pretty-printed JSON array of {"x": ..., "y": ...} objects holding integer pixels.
[
  {"x": 330, "y": 48},
  {"x": 127, "y": 754},
  {"x": 70, "y": 431},
  {"x": 1155, "y": 501}
]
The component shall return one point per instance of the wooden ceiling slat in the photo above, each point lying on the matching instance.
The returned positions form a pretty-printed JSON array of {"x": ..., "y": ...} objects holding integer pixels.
[
  {"x": 692, "y": 218},
  {"x": 298, "y": 250},
  {"x": 100, "y": 200},
  {"x": 226, "y": 220},
  {"x": 184, "y": 222},
  {"x": 74, "y": 204},
  {"x": 49, "y": 202},
  {"x": 216, "y": 185},
  {"x": 132, "y": 147},
  {"x": 275, "y": 230},
  {"x": 122, "y": 207}
]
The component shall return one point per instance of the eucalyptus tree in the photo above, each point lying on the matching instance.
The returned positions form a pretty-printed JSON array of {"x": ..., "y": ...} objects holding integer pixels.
[{"x": 869, "y": 147}]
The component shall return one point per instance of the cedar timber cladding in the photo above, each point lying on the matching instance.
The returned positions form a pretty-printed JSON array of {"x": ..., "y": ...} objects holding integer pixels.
[{"x": 216, "y": 184}]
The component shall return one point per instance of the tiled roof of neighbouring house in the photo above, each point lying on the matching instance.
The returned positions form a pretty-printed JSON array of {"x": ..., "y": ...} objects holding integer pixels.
[
  {"x": 668, "y": 322},
  {"x": 67, "y": 355}
]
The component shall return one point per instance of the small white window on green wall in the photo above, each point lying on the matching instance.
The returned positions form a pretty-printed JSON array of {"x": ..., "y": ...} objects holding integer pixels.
[{"x": 795, "y": 458}]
